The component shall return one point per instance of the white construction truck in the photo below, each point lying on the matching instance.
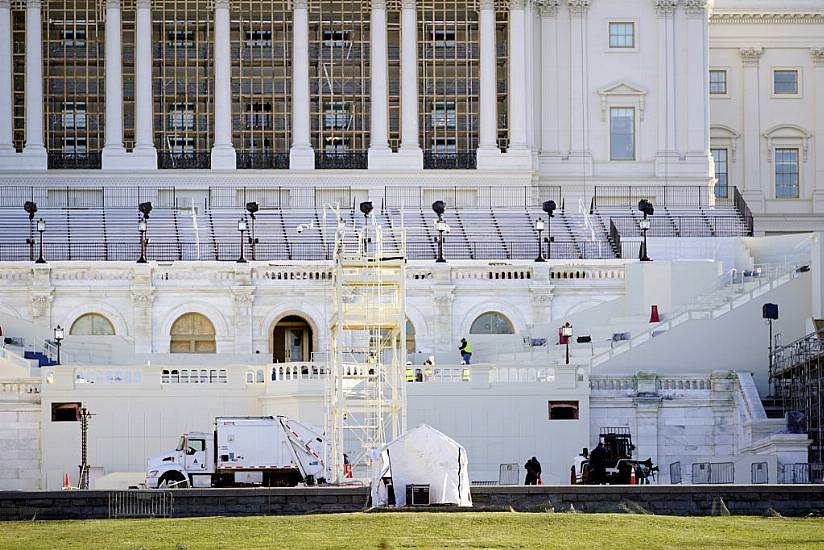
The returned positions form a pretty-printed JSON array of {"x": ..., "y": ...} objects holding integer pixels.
[{"x": 268, "y": 451}]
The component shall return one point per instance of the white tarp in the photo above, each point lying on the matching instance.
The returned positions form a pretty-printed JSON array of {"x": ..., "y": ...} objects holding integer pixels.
[{"x": 422, "y": 456}]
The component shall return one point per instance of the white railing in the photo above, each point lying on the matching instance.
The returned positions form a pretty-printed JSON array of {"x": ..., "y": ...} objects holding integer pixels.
[
  {"x": 513, "y": 374},
  {"x": 99, "y": 375},
  {"x": 281, "y": 372},
  {"x": 492, "y": 273},
  {"x": 193, "y": 376},
  {"x": 321, "y": 275},
  {"x": 731, "y": 290},
  {"x": 575, "y": 272},
  {"x": 662, "y": 384},
  {"x": 20, "y": 390}
]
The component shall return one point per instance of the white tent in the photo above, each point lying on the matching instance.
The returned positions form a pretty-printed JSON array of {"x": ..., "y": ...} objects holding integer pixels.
[{"x": 422, "y": 456}]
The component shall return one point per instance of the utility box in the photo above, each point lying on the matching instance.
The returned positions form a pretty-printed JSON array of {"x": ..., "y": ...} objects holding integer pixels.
[{"x": 417, "y": 495}]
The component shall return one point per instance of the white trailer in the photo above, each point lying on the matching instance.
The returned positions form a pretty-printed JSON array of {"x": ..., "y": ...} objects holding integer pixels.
[{"x": 268, "y": 451}]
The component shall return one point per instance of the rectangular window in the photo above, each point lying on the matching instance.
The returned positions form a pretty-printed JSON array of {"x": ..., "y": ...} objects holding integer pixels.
[
  {"x": 622, "y": 133},
  {"x": 181, "y": 145},
  {"x": 443, "y": 114},
  {"x": 721, "y": 175},
  {"x": 182, "y": 116},
  {"x": 259, "y": 115},
  {"x": 180, "y": 39},
  {"x": 65, "y": 412},
  {"x": 785, "y": 82},
  {"x": 259, "y": 39},
  {"x": 336, "y": 115},
  {"x": 74, "y": 38},
  {"x": 786, "y": 173},
  {"x": 74, "y": 115},
  {"x": 335, "y": 146},
  {"x": 444, "y": 146},
  {"x": 622, "y": 35},
  {"x": 563, "y": 410},
  {"x": 443, "y": 38},
  {"x": 336, "y": 39},
  {"x": 74, "y": 146},
  {"x": 718, "y": 82}
]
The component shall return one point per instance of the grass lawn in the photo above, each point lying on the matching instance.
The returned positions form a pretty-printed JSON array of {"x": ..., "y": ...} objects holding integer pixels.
[{"x": 420, "y": 530}]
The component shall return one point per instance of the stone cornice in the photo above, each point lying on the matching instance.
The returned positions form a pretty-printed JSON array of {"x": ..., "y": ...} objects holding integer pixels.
[{"x": 769, "y": 18}]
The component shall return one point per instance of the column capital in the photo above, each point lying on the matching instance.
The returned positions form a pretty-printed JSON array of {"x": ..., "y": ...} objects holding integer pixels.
[
  {"x": 33, "y": 4},
  {"x": 143, "y": 4},
  {"x": 114, "y": 4},
  {"x": 221, "y": 4},
  {"x": 409, "y": 4},
  {"x": 750, "y": 56},
  {"x": 548, "y": 8},
  {"x": 378, "y": 4},
  {"x": 665, "y": 8},
  {"x": 695, "y": 8},
  {"x": 300, "y": 4},
  {"x": 818, "y": 56},
  {"x": 517, "y": 4},
  {"x": 578, "y": 7},
  {"x": 486, "y": 4}
]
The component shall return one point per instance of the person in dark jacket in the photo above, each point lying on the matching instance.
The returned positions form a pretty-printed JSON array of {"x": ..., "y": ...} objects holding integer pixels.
[
  {"x": 533, "y": 471},
  {"x": 466, "y": 351},
  {"x": 598, "y": 464}
]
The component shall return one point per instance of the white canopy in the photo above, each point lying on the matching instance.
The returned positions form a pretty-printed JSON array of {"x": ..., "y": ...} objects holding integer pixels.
[{"x": 422, "y": 456}]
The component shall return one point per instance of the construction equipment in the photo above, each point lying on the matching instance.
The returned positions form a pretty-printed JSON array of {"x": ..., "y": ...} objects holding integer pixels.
[
  {"x": 366, "y": 389},
  {"x": 267, "y": 450},
  {"x": 620, "y": 467}
]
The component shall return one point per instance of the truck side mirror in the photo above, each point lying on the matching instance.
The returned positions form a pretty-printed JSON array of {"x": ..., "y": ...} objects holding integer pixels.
[{"x": 190, "y": 451}]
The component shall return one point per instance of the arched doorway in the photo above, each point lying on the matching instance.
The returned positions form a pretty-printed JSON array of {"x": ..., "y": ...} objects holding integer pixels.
[
  {"x": 292, "y": 340},
  {"x": 192, "y": 333}
]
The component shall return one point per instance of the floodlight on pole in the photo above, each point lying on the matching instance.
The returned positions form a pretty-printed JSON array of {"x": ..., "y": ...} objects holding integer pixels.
[
  {"x": 31, "y": 209},
  {"x": 441, "y": 227},
  {"x": 242, "y": 228},
  {"x": 41, "y": 228},
  {"x": 252, "y": 208},
  {"x": 647, "y": 209},
  {"x": 549, "y": 207}
]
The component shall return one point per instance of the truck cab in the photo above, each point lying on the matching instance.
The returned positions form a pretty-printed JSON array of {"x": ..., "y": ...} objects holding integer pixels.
[{"x": 193, "y": 455}]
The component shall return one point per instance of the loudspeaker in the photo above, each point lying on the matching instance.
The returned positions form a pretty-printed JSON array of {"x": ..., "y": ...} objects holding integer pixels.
[{"x": 769, "y": 311}]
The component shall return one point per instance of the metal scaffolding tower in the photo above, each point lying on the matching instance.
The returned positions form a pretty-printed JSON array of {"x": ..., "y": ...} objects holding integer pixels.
[{"x": 366, "y": 393}]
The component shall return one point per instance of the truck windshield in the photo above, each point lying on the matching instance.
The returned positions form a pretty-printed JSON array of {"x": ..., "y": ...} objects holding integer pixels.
[{"x": 182, "y": 445}]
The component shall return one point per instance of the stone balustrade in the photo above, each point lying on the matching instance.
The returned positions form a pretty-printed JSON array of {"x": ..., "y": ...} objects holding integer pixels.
[
  {"x": 662, "y": 384},
  {"x": 20, "y": 390}
]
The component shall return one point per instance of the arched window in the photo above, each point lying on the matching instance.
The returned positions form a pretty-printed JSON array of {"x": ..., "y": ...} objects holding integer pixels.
[
  {"x": 492, "y": 322},
  {"x": 193, "y": 333},
  {"x": 410, "y": 338},
  {"x": 92, "y": 324}
]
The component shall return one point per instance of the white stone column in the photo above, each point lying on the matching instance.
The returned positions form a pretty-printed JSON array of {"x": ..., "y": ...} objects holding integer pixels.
[
  {"x": 550, "y": 78},
  {"x": 301, "y": 156},
  {"x": 488, "y": 152},
  {"x": 223, "y": 152},
  {"x": 380, "y": 155},
  {"x": 144, "y": 155},
  {"x": 114, "y": 87},
  {"x": 410, "y": 155},
  {"x": 518, "y": 150},
  {"x": 579, "y": 139},
  {"x": 6, "y": 112},
  {"x": 697, "y": 90},
  {"x": 666, "y": 154},
  {"x": 818, "y": 131},
  {"x": 34, "y": 152},
  {"x": 751, "y": 131}
]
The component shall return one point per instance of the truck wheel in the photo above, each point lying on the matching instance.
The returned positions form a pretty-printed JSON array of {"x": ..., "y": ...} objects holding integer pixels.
[{"x": 173, "y": 480}]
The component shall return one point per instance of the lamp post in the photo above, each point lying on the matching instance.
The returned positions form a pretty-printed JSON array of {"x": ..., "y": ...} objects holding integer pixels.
[
  {"x": 31, "y": 209},
  {"x": 566, "y": 331},
  {"x": 441, "y": 227},
  {"x": 142, "y": 227},
  {"x": 252, "y": 208},
  {"x": 41, "y": 228},
  {"x": 549, "y": 207},
  {"x": 646, "y": 207},
  {"x": 58, "y": 340},
  {"x": 539, "y": 227},
  {"x": 241, "y": 226}
]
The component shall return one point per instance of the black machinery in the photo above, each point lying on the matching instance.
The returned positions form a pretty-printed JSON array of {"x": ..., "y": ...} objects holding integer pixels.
[{"x": 616, "y": 462}]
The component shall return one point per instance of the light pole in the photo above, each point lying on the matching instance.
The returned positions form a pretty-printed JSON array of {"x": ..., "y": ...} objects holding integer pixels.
[
  {"x": 252, "y": 208},
  {"x": 539, "y": 227},
  {"x": 566, "y": 331},
  {"x": 646, "y": 207},
  {"x": 241, "y": 226},
  {"x": 441, "y": 227},
  {"x": 41, "y": 228},
  {"x": 549, "y": 207},
  {"x": 142, "y": 227},
  {"x": 58, "y": 340}
]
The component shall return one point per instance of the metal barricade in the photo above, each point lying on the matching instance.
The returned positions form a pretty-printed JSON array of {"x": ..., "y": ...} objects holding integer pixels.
[
  {"x": 141, "y": 504},
  {"x": 675, "y": 473},
  {"x": 509, "y": 474},
  {"x": 802, "y": 472},
  {"x": 713, "y": 472},
  {"x": 759, "y": 473}
]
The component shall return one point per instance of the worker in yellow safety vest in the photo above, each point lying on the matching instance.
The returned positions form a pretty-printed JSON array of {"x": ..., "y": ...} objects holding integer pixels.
[
  {"x": 410, "y": 372},
  {"x": 466, "y": 351}
]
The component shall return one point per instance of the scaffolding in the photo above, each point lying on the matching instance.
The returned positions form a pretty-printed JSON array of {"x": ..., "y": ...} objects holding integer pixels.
[
  {"x": 366, "y": 393},
  {"x": 797, "y": 379}
]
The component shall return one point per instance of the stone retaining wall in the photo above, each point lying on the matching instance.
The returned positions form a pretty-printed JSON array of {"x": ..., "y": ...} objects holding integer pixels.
[{"x": 790, "y": 500}]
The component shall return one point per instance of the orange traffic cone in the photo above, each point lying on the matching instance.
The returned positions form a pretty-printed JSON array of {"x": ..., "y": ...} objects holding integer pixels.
[
  {"x": 66, "y": 481},
  {"x": 653, "y": 314},
  {"x": 632, "y": 480}
]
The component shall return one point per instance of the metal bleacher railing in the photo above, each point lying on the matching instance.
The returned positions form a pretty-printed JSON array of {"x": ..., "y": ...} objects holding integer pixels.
[
  {"x": 467, "y": 197},
  {"x": 87, "y": 196}
]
